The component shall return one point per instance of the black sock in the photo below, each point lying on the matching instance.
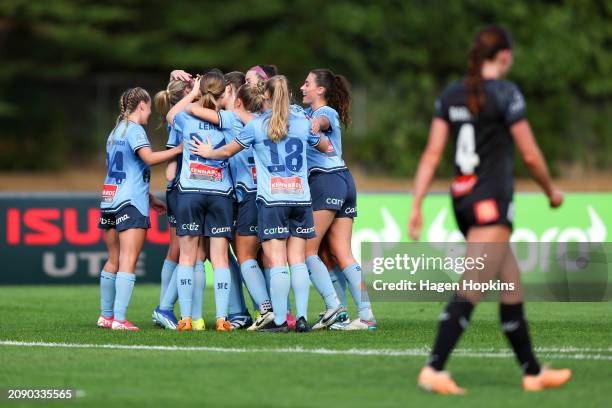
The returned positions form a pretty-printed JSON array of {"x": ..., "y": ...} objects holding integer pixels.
[
  {"x": 514, "y": 327},
  {"x": 453, "y": 321}
]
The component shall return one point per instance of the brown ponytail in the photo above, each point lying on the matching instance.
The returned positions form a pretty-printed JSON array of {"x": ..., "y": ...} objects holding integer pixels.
[
  {"x": 128, "y": 102},
  {"x": 212, "y": 87},
  {"x": 278, "y": 89},
  {"x": 252, "y": 97},
  {"x": 488, "y": 42},
  {"x": 337, "y": 92}
]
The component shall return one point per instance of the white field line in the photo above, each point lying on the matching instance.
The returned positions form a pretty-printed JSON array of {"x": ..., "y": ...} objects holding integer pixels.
[{"x": 567, "y": 353}]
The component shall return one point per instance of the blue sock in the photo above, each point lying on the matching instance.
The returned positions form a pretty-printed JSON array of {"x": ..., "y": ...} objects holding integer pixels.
[
  {"x": 184, "y": 284},
  {"x": 107, "y": 293},
  {"x": 300, "y": 283},
  {"x": 171, "y": 293},
  {"x": 223, "y": 282},
  {"x": 353, "y": 275},
  {"x": 266, "y": 272},
  {"x": 339, "y": 281},
  {"x": 279, "y": 289},
  {"x": 319, "y": 275},
  {"x": 255, "y": 281},
  {"x": 166, "y": 275},
  {"x": 124, "y": 285},
  {"x": 237, "y": 307},
  {"x": 199, "y": 284}
]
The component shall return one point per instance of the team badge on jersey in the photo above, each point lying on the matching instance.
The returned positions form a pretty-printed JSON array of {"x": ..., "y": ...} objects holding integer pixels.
[
  {"x": 108, "y": 192},
  {"x": 199, "y": 171},
  {"x": 286, "y": 185},
  {"x": 486, "y": 211}
]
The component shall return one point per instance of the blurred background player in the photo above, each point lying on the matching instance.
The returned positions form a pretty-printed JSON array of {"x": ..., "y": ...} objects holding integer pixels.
[
  {"x": 285, "y": 220},
  {"x": 125, "y": 205},
  {"x": 334, "y": 199},
  {"x": 485, "y": 116}
]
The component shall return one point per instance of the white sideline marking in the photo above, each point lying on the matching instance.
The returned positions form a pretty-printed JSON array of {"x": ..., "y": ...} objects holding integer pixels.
[{"x": 567, "y": 353}]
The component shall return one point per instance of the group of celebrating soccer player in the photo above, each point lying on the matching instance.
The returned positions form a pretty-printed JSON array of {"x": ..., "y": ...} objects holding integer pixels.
[
  {"x": 247, "y": 166},
  {"x": 255, "y": 183}
]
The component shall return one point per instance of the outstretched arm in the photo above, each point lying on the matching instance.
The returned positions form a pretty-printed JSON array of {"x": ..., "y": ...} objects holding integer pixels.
[
  {"x": 152, "y": 158},
  {"x": 438, "y": 135},
  {"x": 206, "y": 150}
]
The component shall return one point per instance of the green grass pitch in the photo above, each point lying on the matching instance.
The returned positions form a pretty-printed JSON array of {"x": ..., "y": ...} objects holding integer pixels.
[{"x": 574, "y": 335}]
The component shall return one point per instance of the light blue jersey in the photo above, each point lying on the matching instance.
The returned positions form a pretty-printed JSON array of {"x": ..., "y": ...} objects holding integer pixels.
[
  {"x": 242, "y": 165},
  {"x": 331, "y": 160},
  {"x": 127, "y": 178},
  {"x": 173, "y": 141},
  {"x": 199, "y": 175},
  {"x": 282, "y": 177}
]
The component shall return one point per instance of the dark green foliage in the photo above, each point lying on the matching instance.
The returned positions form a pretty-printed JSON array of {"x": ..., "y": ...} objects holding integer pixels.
[{"x": 64, "y": 63}]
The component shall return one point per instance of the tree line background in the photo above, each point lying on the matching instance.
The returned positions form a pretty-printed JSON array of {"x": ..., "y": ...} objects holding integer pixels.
[{"x": 64, "y": 63}]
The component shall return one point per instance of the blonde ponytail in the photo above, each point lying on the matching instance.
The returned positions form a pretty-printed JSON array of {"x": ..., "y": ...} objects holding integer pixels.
[{"x": 278, "y": 126}]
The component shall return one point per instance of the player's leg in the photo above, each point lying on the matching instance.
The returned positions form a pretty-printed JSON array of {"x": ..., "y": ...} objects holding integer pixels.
[
  {"x": 335, "y": 273},
  {"x": 339, "y": 238},
  {"x": 239, "y": 316},
  {"x": 168, "y": 291},
  {"x": 276, "y": 258},
  {"x": 131, "y": 242},
  {"x": 515, "y": 328},
  {"x": 319, "y": 274},
  {"x": 199, "y": 284},
  {"x": 107, "y": 278},
  {"x": 247, "y": 248},
  {"x": 223, "y": 279},
  {"x": 456, "y": 316},
  {"x": 300, "y": 281}
]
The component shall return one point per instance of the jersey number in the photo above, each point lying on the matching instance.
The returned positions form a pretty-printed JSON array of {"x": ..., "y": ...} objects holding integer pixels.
[
  {"x": 115, "y": 167},
  {"x": 466, "y": 157},
  {"x": 293, "y": 160}
]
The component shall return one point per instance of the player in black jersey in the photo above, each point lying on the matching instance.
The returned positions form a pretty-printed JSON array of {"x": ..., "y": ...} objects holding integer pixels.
[{"x": 485, "y": 117}]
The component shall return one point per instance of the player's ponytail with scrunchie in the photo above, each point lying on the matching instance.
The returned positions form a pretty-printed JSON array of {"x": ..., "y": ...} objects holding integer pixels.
[
  {"x": 212, "y": 87},
  {"x": 252, "y": 97},
  {"x": 337, "y": 92},
  {"x": 278, "y": 90},
  {"x": 488, "y": 42}
]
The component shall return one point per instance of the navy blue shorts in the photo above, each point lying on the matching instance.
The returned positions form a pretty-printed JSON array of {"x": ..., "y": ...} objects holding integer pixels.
[
  {"x": 208, "y": 215},
  {"x": 246, "y": 219},
  {"x": 334, "y": 191},
  {"x": 281, "y": 222},
  {"x": 171, "y": 203},
  {"x": 126, "y": 218}
]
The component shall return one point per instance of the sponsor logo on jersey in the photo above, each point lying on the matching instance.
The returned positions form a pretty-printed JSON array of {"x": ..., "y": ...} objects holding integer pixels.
[
  {"x": 199, "y": 171},
  {"x": 459, "y": 114},
  {"x": 220, "y": 230},
  {"x": 300, "y": 230},
  {"x": 254, "y": 174},
  {"x": 276, "y": 230},
  {"x": 486, "y": 211},
  {"x": 463, "y": 185},
  {"x": 286, "y": 185},
  {"x": 108, "y": 192}
]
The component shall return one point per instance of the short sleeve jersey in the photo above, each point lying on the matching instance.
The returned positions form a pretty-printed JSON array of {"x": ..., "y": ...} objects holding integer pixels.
[
  {"x": 127, "y": 178},
  {"x": 483, "y": 145},
  {"x": 282, "y": 173},
  {"x": 331, "y": 160},
  {"x": 200, "y": 175}
]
